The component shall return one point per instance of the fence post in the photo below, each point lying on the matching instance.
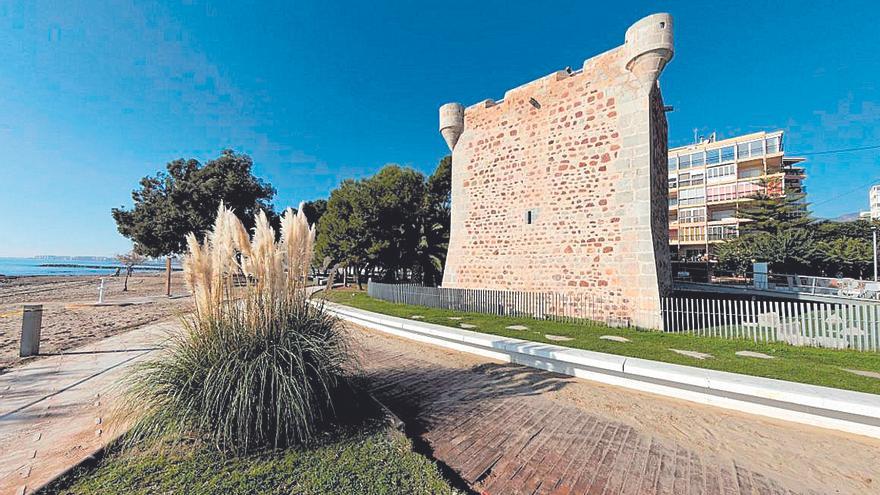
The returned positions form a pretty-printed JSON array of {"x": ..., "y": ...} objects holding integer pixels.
[{"x": 31, "y": 323}]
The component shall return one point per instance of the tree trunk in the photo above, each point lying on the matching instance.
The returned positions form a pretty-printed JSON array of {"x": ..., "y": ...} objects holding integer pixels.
[
  {"x": 168, "y": 276},
  {"x": 125, "y": 283}
]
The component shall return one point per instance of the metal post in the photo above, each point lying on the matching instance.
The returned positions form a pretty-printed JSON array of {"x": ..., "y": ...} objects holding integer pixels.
[
  {"x": 874, "y": 235},
  {"x": 168, "y": 276},
  {"x": 101, "y": 292},
  {"x": 31, "y": 323}
]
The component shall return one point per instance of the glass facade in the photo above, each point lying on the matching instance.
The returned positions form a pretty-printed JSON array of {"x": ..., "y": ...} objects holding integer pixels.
[
  {"x": 742, "y": 151},
  {"x": 722, "y": 232}
]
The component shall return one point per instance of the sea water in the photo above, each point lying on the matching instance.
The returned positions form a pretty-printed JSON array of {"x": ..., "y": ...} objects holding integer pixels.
[{"x": 50, "y": 266}]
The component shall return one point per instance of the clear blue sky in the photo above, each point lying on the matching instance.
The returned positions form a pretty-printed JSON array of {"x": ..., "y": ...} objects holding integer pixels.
[{"x": 94, "y": 95}]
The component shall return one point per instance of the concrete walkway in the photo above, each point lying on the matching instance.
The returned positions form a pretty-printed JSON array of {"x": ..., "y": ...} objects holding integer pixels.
[{"x": 54, "y": 410}]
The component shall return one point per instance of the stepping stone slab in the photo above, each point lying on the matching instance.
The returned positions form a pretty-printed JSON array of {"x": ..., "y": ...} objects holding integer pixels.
[
  {"x": 869, "y": 374},
  {"x": 455, "y": 318},
  {"x": 417, "y": 317},
  {"x": 517, "y": 327},
  {"x": 751, "y": 354},
  {"x": 614, "y": 338},
  {"x": 693, "y": 354},
  {"x": 557, "y": 338},
  {"x": 466, "y": 325}
]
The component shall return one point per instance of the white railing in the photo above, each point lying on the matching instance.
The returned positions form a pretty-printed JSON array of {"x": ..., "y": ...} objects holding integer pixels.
[
  {"x": 853, "y": 325},
  {"x": 837, "y": 326},
  {"x": 840, "y": 287},
  {"x": 557, "y": 306}
]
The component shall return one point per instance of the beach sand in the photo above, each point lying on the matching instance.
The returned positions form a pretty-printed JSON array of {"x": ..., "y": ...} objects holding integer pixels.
[{"x": 69, "y": 320}]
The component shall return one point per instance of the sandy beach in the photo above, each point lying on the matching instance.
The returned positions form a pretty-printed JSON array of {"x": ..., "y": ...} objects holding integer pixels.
[{"x": 70, "y": 320}]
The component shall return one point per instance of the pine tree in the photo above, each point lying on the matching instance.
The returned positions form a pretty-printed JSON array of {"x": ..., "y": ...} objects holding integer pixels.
[{"x": 772, "y": 212}]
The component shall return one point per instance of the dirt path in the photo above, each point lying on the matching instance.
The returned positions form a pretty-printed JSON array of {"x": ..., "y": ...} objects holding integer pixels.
[
  {"x": 511, "y": 429},
  {"x": 68, "y": 323}
]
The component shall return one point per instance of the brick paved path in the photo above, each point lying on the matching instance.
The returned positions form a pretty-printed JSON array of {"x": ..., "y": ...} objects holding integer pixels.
[
  {"x": 493, "y": 426},
  {"x": 53, "y": 411}
]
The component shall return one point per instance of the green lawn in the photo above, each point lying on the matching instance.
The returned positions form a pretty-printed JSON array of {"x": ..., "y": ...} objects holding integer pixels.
[
  {"x": 798, "y": 364},
  {"x": 362, "y": 460}
]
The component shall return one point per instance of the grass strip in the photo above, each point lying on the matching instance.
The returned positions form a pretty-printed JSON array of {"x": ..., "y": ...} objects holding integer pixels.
[{"x": 815, "y": 366}]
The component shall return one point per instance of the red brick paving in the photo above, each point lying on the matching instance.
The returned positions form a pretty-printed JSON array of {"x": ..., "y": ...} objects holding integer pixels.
[{"x": 492, "y": 425}]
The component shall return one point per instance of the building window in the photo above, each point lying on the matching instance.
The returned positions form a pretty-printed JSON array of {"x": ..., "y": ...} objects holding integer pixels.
[
  {"x": 691, "y": 197},
  {"x": 756, "y": 148},
  {"x": 721, "y": 193},
  {"x": 720, "y": 215},
  {"x": 722, "y": 232},
  {"x": 713, "y": 157},
  {"x": 691, "y": 234},
  {"x": 720, "y": 173},
  {"x": 684, "y": 179},
  {"x": 692, "y": 215},
  {"x": 727, "y": 154},
  {"x": 684, "y": 161},
  {"x": 531, "y": 216},
  {"x": 673, "y": 162}
]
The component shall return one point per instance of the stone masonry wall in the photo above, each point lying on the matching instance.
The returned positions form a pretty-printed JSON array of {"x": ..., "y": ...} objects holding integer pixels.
[{"x": 583, "y": 156}]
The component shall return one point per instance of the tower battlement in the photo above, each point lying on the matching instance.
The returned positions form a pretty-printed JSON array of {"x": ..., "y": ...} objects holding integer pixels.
[
  {"x": 648, "y": 47},
  {"x": 562, "y": 185}
]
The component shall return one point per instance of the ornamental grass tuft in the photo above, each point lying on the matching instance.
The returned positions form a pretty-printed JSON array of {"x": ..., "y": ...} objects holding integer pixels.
[{"x": 257, "y": 365}]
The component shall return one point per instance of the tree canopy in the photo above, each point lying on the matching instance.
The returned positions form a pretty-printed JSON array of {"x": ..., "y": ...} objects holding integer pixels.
[
  {"x": 396, "y": 221},
  {"x": 314, "y": 210},
  {"x": 772, "y": 212},
  {"x": 184, "y": 199},
  {"x": 781, "y": 231}
]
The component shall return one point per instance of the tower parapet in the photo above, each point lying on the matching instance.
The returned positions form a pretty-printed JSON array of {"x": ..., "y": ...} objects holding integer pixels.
[
  {"x": 649, "y": 46},
  {"x": 451, "y": 123}
]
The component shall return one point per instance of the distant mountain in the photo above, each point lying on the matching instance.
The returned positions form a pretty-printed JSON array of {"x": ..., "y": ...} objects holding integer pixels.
[
  {"x": 73, "y": 258},
  {"x": 847, "y": 217}
]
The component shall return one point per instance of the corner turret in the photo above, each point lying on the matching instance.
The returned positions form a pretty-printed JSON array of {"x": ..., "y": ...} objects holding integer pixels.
[
  {"x": 649, "y": 47},
  {"x": 451, "y": 123}
]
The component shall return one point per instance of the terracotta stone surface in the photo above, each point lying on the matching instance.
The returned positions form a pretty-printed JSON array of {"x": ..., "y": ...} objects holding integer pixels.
[
  {"x": 561, "y": 186},
  {"x": 507, "y": 429}
]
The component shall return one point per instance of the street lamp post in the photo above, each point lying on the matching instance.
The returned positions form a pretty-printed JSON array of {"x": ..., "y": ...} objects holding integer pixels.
[{"x": 874, "y": 243}]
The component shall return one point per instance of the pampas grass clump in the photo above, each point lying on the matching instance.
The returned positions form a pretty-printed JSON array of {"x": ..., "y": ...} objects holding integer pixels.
[{"x": 258, "y": 365}]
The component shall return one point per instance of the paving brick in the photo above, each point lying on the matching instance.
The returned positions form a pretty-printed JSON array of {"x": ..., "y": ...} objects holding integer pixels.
[
  {"x": 494, "y": 426},
  {"x": 49, "y": 422}
]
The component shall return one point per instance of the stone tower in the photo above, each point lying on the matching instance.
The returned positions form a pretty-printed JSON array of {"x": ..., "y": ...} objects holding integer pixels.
[{"x": 561, "y": 186}]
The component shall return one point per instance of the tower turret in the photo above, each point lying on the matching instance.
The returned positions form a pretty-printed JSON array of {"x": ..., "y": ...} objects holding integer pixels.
[
  {"x": 649, "y": 46},
  {"x": 451, "y": 123}
]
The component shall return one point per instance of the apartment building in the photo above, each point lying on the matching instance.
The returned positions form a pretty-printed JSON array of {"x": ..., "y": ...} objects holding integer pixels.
[
  {"x": 711, "y": 180},
  {"x": 874, "y": 202}
]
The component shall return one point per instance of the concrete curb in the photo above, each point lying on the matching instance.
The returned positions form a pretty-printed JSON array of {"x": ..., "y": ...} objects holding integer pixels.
[{"x": 825, "y": 407}]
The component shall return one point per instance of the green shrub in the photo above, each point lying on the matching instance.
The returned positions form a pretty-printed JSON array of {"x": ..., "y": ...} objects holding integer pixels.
[{"x": 256, "y": 366}]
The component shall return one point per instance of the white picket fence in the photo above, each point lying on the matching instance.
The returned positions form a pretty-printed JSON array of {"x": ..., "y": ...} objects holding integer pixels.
[
  {"x": 837, "y": 326},
  {"x": 853, "y": 325},
  {"x": 567, "y": 307}
]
